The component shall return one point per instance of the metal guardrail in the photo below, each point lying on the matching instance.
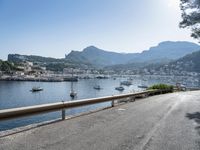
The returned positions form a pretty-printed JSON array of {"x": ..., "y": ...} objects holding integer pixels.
[{"x": 12, "y": 113}]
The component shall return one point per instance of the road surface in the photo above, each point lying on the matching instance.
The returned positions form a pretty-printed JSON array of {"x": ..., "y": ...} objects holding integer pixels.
[{"x": 163, "y": 122}]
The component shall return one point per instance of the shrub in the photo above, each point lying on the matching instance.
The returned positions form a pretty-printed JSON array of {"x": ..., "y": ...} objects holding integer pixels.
[{"x": 162, "y": 87}]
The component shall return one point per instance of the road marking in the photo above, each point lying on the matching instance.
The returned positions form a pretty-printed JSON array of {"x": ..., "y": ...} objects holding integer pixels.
[{"x": 121, "y": 109}]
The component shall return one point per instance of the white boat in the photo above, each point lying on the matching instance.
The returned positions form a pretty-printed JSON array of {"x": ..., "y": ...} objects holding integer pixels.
[
  {"x": 36, "y": 89},
  {"x": 120, "y": 88}
]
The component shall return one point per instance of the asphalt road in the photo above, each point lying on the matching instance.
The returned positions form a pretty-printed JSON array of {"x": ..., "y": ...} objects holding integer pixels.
[{"x": 163, "y": 122}]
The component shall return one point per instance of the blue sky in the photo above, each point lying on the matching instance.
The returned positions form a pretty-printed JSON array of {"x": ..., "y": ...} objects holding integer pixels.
[{"x": 55, "y": 27}]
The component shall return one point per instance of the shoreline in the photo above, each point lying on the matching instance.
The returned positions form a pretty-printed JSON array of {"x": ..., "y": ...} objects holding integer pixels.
[{"x": 40, "y": 79}]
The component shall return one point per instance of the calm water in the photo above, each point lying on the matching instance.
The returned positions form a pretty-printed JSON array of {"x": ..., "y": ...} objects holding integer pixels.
[{"x": 17, "y": 94}]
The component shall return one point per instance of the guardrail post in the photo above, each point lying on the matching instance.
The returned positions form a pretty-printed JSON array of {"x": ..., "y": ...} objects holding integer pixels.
[
  {"x": 112, "y": 103},
  {"x": 132, "y": 99},
  {"x": 63, "y": 114}
]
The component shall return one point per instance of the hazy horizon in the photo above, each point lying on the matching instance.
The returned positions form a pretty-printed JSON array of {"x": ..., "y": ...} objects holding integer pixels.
[{"x": 53, "y": 29}]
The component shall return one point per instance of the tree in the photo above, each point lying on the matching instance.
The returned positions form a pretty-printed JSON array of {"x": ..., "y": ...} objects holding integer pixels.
[{"x": 191, "y": 16}]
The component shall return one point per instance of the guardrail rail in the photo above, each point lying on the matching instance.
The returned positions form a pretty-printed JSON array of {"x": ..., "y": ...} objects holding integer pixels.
[{"x": 12, "y": 113}]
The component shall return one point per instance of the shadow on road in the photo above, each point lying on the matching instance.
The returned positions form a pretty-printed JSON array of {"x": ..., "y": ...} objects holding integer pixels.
[{"x": 196, "y": 117}]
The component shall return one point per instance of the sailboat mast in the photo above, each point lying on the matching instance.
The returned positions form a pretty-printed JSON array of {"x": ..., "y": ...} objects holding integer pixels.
[{"x": 72, "y": 88}]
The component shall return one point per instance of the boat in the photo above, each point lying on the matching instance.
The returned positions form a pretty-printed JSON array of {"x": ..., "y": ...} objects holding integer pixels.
[
  {"x": 127, "y": 83},
  {"x": 102, "y": 77},
  {"x": 143, "y": 86},
  {"x": 36, "y": 89},
  {"x": 72, "y": 94},
  {"x": 120, "y": 88},
  {"x": 97, "y": 87}
]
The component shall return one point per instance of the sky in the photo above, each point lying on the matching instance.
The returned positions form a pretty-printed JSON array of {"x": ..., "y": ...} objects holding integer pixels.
[{"x": 53, "y": 28}]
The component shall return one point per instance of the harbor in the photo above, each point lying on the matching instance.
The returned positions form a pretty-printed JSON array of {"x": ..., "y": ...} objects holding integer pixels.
[{"x": 17, "y": 94}]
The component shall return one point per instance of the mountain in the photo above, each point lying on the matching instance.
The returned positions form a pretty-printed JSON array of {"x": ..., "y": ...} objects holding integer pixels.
[
  {"x": 167, "y": 50},
  {"x": 188, "y": 63},
  {"x": 92, "y": 56},
  {"x": 163, "y": 52},
  {"x": 99, "y": 57}
]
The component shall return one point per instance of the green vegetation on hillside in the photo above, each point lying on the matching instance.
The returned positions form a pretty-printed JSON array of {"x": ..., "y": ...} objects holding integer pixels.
[
  {"x": 191, "y": 62},
  {"x": 7, "y": 66},
  {"x": 51, "y": 64},
  {"x": 188, "y": 63}
]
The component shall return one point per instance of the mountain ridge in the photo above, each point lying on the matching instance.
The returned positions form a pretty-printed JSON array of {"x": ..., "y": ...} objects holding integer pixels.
[
  {"x": 92, "y": 56},
  {"x": 167, "y": 50}
]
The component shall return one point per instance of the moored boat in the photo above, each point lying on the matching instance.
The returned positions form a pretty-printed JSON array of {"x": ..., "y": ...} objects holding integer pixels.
[
  {"x": 127, "y": 83},
  {"x": 120, "y": 88},
  {"x": 73, "y": 94},
  {"x": 36, "y": 89},
  {"x": 97, "y": 87}
]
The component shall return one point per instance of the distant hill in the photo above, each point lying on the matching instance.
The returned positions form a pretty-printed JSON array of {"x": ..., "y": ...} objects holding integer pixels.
[
  {"x": 188, "y": 63},
  {"x": 32, "y": 58},
  {"x": 52, "y": 64},
  {"x": 163, "y": 52}
]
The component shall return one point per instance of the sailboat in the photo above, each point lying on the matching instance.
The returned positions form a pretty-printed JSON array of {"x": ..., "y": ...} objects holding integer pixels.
[
  {"x": 97, "y": 86},
  {"x": 73, "y": 94},
  {"x": 36, "y": 89}
]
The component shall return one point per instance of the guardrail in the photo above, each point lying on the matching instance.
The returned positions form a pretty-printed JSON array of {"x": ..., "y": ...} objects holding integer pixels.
[{"x": 45, "y": 108}]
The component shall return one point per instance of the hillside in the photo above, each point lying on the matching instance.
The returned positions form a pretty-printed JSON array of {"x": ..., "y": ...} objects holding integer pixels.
[
  {"x": 7, "y": 66},
  {"x": 52, "y": 64},
  {"x": 167, "y": 50},
  {"x": 32, "y": 58},
  {"x": 163, "y": 52},
  {"x": 188, "y": 63}
]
